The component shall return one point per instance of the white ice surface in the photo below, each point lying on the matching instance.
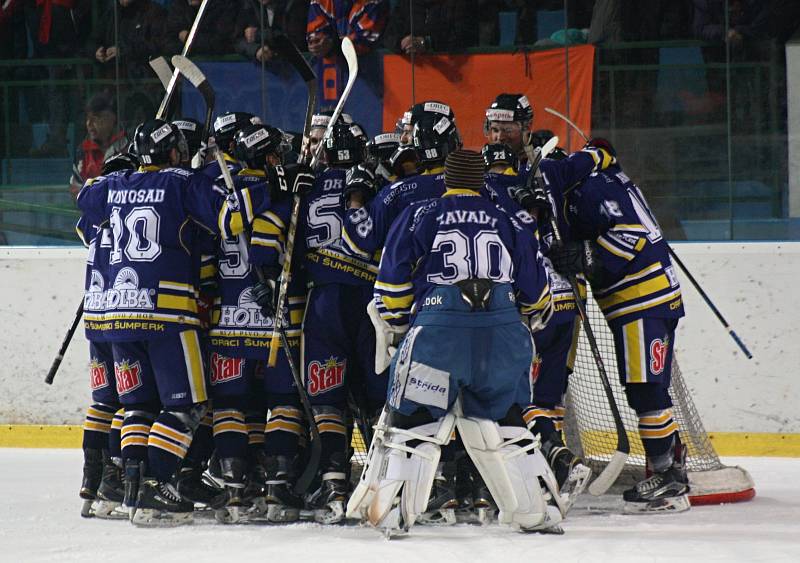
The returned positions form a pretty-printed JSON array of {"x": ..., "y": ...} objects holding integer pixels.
[{"x": 39, "y": 520}]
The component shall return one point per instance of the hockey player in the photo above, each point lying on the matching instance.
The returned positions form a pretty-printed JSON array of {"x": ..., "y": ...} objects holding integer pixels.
[
  {"x": 378, "y": 160},
  {"x": 224, "y": 130},
  {"x": 338, "y": 339},
  {"x": 151, "y": 312},
  {"x": 508, "y": 121},
  {"x": 193, "y": 133},
  {"x": 240, "y": 336},
  {"x": 457, "y": 269},
  {"x": 634, "y": 283},
  {"x": 435, "y": 135},
  {"x": 101, "y": 488}
]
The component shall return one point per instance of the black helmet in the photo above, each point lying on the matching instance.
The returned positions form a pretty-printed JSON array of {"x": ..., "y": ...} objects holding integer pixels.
[
  {"x": 345, "y": 145},
  {"x": 255, "y": 142},
  {"x": 228, "y": 124},
  {"x": 154, "y": 139},
  {"x": 434, "y": 107},
  {"x": 498, "y": 153},
  {"x": 435, "y": 136},
  {"x": 379, "y": 152},
  {"x": 541, "y": 136},
  {"x": 120, "y": 161},
  {"x": 510, "y": 107},
  {"x": 192, "y": 130}
]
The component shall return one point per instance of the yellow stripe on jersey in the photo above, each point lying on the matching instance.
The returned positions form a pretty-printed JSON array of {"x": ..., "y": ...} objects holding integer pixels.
[
  {"x": 194, "y": 365},
  {"x": 644, "y": 272},
  {"x": 176, "y": 286},
  {"x": 635, "y": 370},
  {"x": 613, "y": 249},
  {"x": 353, "y": 246},
  {"x": 275, "y": 219},
  {"x": 642, "y": 289},
  {"x": 393, "y": 287},
  {"x": 398, "y": 302},
  {"x": 268, "y": 243},
  {"x": 644, "y": 305},
  {"x": 182, "y": 303},
  {"x": 262, "y": 226},
  {"x": 208, "y": 271}
]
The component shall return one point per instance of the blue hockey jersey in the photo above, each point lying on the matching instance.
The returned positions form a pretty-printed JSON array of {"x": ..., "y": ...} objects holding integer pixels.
[
  {"x": 96, "y": 280},
  {"x": 153, "y": 271},
  {"x": 327, "y": 260},
  {"x": 365, "y": 229},
  {"x": 238, "y": 328},
  {"x": 458, "y": 236},
  {"x": 638, "y": 279}
]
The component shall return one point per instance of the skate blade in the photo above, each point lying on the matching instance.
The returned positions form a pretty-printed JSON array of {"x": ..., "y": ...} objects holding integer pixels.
[
  {"x": 280, "y": 514},
  {"x": 486, "y": 515},
  {"x": 110, "y": 510},
  {"x": 441, "y": 517},
  {"x": 333, "y": 513},
  {"x": 669, "y": 505},
  {"x": 87, "y": 508},
  {"x": 152, "y": 518},
  {"x": 229, "y": 514},
  {"x": 392, "y": 525},
  {"x": 575, "y": 484}
]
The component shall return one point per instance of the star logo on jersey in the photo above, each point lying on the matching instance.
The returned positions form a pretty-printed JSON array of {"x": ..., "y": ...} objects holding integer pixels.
[
  {"x": 224, "y": 368},
  {"x": 128, "y": 376},
  {"x": 325, "y": 376},
  {"x": 97, "y": 374},
  {"x": 658, "y": 355}
]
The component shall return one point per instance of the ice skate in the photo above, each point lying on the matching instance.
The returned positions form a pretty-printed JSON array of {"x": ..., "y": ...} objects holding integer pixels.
[
  {"x": 92, "y": 475},
  {"x": 234, "y": 508},
  {"x": 442, "y": 505},
  {"x": 571, "y": 473},
  {"x": 662, "y": 492},
  {"x": 281, "y": 504},
  {"x": 196, "y": 488},
  {"x": 160, "y": 505},
  {"x": 111, "y": 492},
  {"x": 328, "y": 502}
]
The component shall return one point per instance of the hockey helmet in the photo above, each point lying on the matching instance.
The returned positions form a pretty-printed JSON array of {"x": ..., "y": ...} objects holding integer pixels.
[
  {"x": 153, "y": 141},
  {"x": 435, "y": 136},
  {"x": 228, "y": 124},
  {"x": 345, "y": 144},
  {"x": 193, "y": 131},
  {"x": 254, "y": 143},
  {"x": 120, "y": 161},
  {"x": 510, "y": 107},
  {"x": 498, "y": 153}
]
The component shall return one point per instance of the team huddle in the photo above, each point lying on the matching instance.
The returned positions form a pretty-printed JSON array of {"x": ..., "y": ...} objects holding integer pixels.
[{"x": 431, "y": 304}]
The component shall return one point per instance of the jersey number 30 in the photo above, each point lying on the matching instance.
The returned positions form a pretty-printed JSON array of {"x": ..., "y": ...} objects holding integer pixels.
[{"x": 481, "y": 256}]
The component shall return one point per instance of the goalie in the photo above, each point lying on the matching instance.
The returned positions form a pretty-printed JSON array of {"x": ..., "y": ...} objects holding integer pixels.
[{"x": 460, "y": 271}]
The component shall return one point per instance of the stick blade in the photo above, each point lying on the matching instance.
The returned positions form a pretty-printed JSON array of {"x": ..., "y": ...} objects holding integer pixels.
[
  {"x": 349, "y": 52},
  {"x": 609, "y": 475},
  {"x": 161, "y": 67},
  {"x": 189, "y": 70}
]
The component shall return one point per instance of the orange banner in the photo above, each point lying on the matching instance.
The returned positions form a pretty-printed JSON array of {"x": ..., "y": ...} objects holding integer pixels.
[{"x": 469, "y": 83}]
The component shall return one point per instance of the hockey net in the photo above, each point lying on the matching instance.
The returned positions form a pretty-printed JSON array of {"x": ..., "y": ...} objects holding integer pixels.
[{"x": 590, "y": 432}]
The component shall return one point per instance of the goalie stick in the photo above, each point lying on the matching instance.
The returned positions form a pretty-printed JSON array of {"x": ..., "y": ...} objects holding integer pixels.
[
  {"x": 198, "y": 79},
  {"x": 678, "y": 261},
  {"x": 162, "y": 109},
  {"x": 349, "y": 53},
  {"x": 607, "y": 477}
]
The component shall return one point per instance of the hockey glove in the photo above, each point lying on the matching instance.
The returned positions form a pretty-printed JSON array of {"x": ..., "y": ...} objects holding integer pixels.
[
  {"x": 567, "y": 258},
  {"x": 294, "y": 178},
  {"x": 533, "y": 199},
  {"x": 603, "y": 153},
  {"x": 359, "y": 180},
  {"x": 265, "y": 293}
]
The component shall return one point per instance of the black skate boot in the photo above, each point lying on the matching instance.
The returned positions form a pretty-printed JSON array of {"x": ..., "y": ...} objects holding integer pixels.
[
  {"x": 464, "y": 470},
  {"x": 572, "y": 475},
  {"x": 281, "y": 503},
  {"x": 329, "y": 501},
  {"x": 255, "y": 485},
  {"x": 112, "y": 491},
  {"x": 160, "y": 505},
  {"x": 482, "y": 501},
  {"x": 664, "y": 491},
  {"x": 233, "y": 475},
  {"x": 133, "y": 471},
  {"x": 194, "y": 487},
  {"x": 92, "y": 474},
  {"x": 442, "y": 504}
]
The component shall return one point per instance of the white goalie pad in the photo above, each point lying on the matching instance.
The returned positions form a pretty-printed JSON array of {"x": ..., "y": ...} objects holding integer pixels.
[
  {"x": 511, "y": 465},
  {"x": 391, "y": 464}
]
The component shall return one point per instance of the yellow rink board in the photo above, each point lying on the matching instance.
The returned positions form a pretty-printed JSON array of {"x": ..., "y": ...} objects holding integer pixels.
[{"x": 725, "y": 443}]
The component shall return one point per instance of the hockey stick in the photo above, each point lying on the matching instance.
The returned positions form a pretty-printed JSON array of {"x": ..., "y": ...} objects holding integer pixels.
[
  {"x": 678, "y": 261},
  {"x": 161, "y": 67},
  {"x": 198, "y": 79},
  {"x": 349, "y": 53},
  {"x": 607, "y": 477},
  {"x": 173, "y": 81},
  {"x": 64, "y": 345}
]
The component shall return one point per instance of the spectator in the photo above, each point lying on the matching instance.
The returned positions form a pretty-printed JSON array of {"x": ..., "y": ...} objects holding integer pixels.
[
  {"x": 747, "y": 19},
  {"x": 217, "y": 30},
  {"x": 439, "y": 25},
  {"x": 280, "y": 16},
  {"x": 61, "y": 30},
  {"x": 103, "y": 139},
  {"x": 140, "y": 35},
  {"x": 329, "y": 21}
]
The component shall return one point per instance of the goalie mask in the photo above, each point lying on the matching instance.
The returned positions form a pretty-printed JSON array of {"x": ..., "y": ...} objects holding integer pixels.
[
  {"x": 435, "y": 136},
  {"x": 255, "y": 143},
  {"x": 153, "y": 141},
  {"x": 345, "y": 145}
]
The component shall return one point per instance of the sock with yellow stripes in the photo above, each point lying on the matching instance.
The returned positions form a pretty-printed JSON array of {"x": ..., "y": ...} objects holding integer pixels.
[
  {"x": 545, "y": 420},
  {"x": 255, "y": 421},
  {"x": 658, "y": 431},
  {"x": 333, "y": 437},
  {"x": 135, "y": 431},
  {"x": 97, "y": 425},
  {"x": 169, "y": 441},
  {"x": 285, "y": 428},
  {"x": 114, "y": 435},
  {"x": 202, "y": 443}
]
